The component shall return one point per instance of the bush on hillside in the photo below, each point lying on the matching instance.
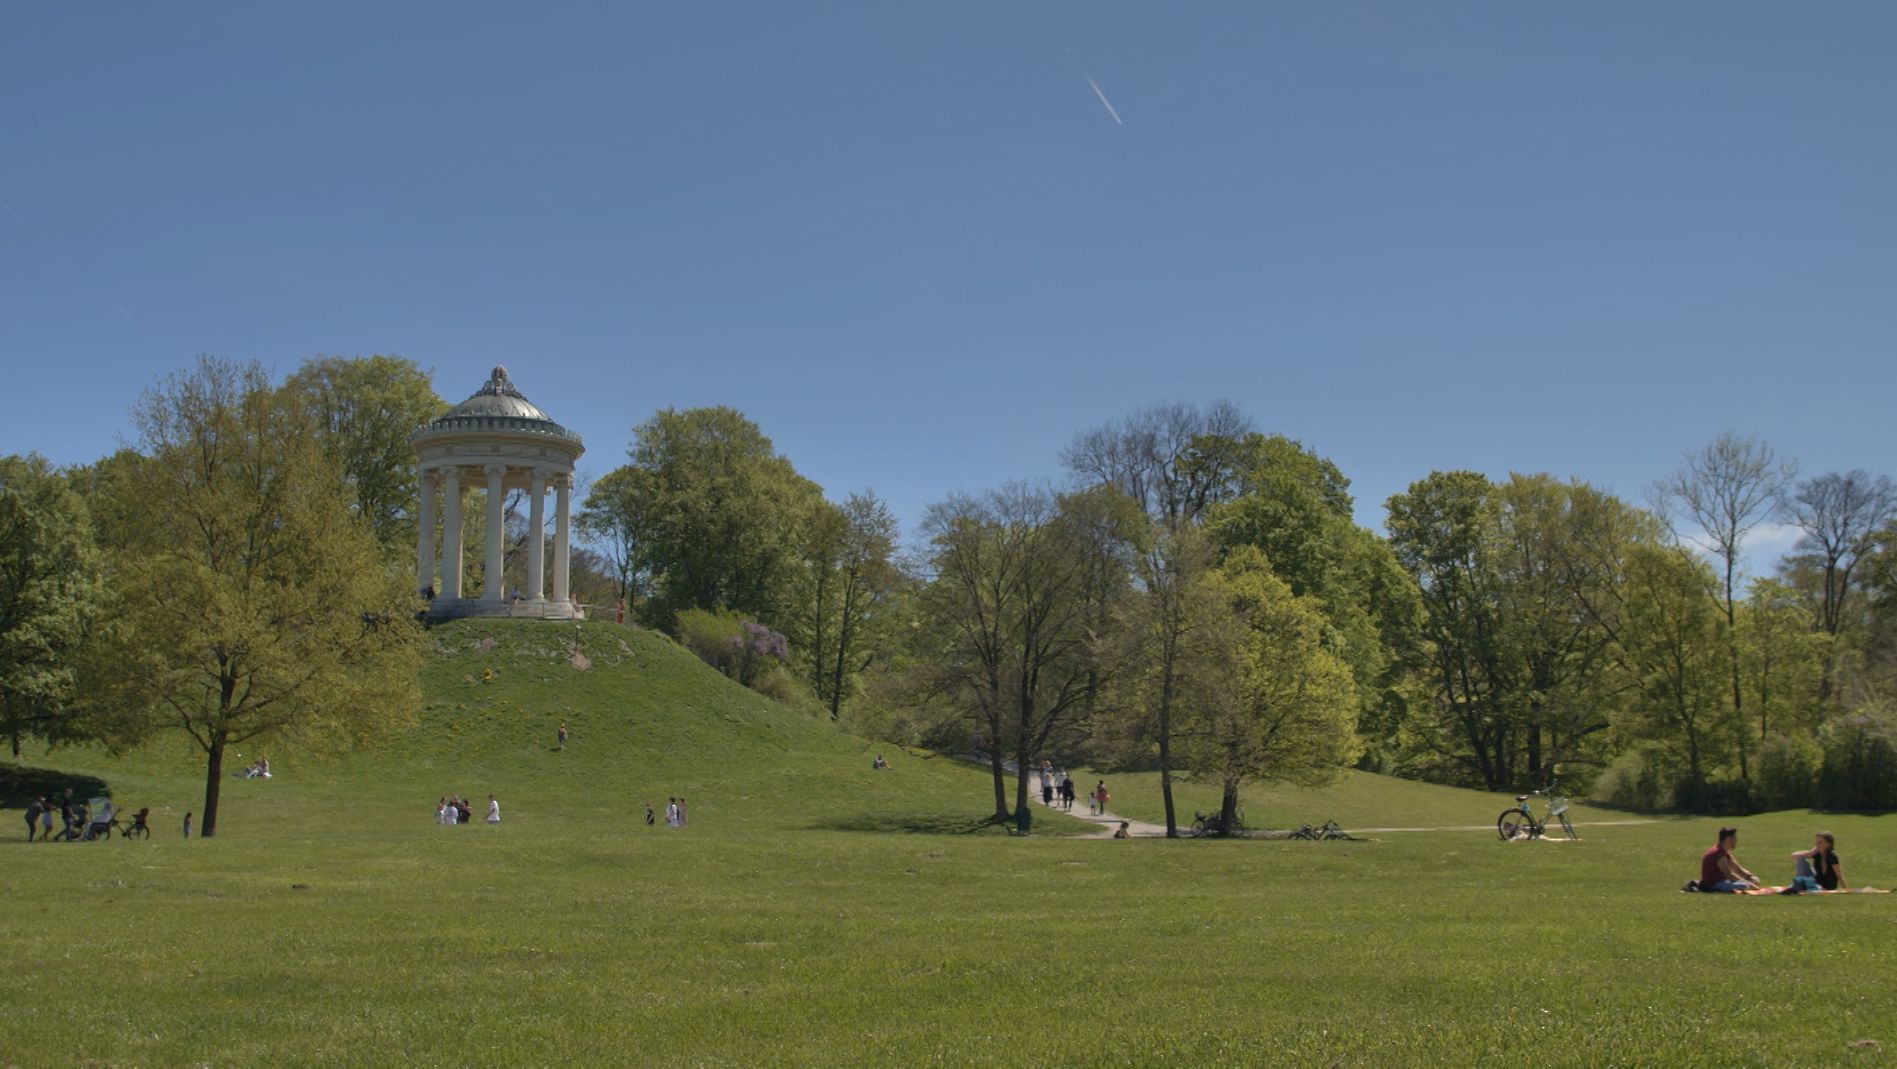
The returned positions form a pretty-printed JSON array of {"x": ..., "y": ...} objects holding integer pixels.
[
  {"x": 1860, "y": 760},
  {"x": 1787, "y": 772},
  {"x": 742, "y": 649},
  {"x": 1642, "y": 777}
]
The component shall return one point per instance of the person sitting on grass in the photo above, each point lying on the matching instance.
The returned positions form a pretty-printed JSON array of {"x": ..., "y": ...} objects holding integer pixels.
[
  {"x": 1817, "y": 869},
  {"x": 1125, "y": 832},
  {"x": 1720, "y": 873}
]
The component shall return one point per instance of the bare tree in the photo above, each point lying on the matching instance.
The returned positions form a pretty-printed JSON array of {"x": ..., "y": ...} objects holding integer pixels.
[
  {"x": 1725, "y": 490},
  {"x": 1155, "y": 457},
  {"x": 1840, "y": 515}
]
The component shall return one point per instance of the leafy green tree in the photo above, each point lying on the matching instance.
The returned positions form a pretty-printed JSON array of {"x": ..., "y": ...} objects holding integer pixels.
[
  {"x": 1671, "y": 644},
  {"x": 1280, "y": 707},
  {"x": 849, "y": 551},
  {"x": 49, "y": 595},
  {"x": 614, "y": 516},
  {"x": 1162, "y": 653},
  {"x": 254, "y": 601},
  {"x": 724, "y": 516},
  {"x": 362, "y": 410}
]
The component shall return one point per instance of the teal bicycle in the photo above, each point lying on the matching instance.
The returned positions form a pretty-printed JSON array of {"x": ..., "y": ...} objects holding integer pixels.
[{"x": 1520, "y": 822}]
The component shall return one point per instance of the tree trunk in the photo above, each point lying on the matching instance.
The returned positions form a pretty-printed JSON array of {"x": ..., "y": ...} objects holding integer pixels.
[
  {"x": 1001, "y": 783},
  {"x": 1228, "y": 808},
  {"x": 213, "y": 782},
  {"x": 1165, "y": 755}
]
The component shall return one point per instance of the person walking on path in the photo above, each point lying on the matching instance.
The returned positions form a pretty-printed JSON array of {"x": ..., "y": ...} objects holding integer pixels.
[
  {"x": 562, "y": 734},
  {"x": 33, "y": 811},
  {"x": 1047, "y": 788},
  {"x": 1066, "y": 792},
  {"x": 1099, "y": 798}
]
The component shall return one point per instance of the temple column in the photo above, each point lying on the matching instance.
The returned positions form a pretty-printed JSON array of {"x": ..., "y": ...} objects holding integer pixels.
[
  {"x": 492, "y": 588},
  {"x": 536, "y": 539},
  {"x": 562, "y": 496},
  {"x": 425, "y": 536},
  {"x": 451, "y": 533}
]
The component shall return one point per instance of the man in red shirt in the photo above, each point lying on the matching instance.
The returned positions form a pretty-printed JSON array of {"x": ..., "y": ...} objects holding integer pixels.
[{"x": 1719, "y": 873}]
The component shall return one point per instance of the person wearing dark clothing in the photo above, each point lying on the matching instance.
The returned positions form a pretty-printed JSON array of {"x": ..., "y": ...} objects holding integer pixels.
[
  {"x": 72, "y": 814},
  {"x": 1719, "y": 872},
  {"x": 1817, "y": 869},
  {"x": 33, "y": 811}
]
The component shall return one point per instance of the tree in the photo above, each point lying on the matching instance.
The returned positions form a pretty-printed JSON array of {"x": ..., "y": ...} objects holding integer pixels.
[
  {"x": 1007, "y": 597},
  {"x": 49, "y": 595},
  {"x": 614, "y": 515},
  {"x": 1160, "y": 631},
  {"x": 848, "y": 557},
  {"x": 362, "y": 410},
  {"x": 1840, "y": 516},
  {"x": 1172, "y": 460},
  {"x": 1440, "y": 530},
  {"x": 1669, "y": 644},
  {"x": 723, "y": 518},
  {"x": 1725, "y": 490},
  {"x": 1278, "y": 706},
  {"x": 254, "y": 601}
]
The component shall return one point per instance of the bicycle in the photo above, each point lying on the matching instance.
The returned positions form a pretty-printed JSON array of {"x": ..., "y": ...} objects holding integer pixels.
[
  {"x": 1204, "y": 824},
  {"x": 1519, "y": 822}
]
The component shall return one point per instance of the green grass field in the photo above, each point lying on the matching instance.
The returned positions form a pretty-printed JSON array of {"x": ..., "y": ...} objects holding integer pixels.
[{"x": 816, "y": 912}]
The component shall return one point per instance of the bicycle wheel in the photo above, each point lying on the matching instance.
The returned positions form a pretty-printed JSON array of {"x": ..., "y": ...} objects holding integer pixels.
[
  {"x": 1566, "y": 826},
  {"x": 1515, "y": 824}
]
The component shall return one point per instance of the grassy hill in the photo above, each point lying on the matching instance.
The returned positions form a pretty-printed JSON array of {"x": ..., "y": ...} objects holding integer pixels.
[{"x": 333, "y": 923}]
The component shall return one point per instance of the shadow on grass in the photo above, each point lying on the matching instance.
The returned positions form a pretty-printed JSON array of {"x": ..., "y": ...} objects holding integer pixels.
[
  {"x": 19, "y": 785},
  {"x": 910, "y": 824}
]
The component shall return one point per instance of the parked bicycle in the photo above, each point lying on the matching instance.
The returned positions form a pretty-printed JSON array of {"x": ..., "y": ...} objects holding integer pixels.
[
  {"x": 1520, "y": 822},
  {"x": 1208, "y": 823},
  {"x": 1330, "y": 830}
]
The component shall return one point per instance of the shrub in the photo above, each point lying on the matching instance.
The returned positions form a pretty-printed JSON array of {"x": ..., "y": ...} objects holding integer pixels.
[
  {"x": 1860, "y": 760},
  {"x": 713, "y": 636},
  {"x": 1717, "y": 797},
  {"x": 1787, "y": 772},
  {"x": 1640, "y": 778}
]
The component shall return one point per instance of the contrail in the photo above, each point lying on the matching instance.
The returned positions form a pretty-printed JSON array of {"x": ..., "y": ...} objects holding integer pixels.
[
  {"x": 1102, "y": 96},
  {"x": 14, "y": 214}
]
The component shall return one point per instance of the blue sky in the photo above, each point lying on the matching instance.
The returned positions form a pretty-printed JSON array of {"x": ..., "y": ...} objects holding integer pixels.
[{"x": 911, "y": 242}]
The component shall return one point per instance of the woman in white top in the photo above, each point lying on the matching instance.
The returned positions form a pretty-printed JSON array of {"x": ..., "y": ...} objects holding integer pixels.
[{"x": 493, "y": 810}]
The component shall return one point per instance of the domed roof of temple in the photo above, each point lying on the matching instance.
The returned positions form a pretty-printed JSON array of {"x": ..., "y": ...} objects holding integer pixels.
[{"x": 498, "y": 408}]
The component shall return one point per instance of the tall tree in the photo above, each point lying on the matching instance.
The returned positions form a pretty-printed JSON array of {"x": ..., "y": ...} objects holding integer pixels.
[
  {"x": 1725, "y": 490},
  {"x": 1008, "y": 593},
  {"x": 724, "y": 515},
  {"x": 362, "y": 410},
  {"x": 1171, "y": 459},
  {"x": 614, "y": 517},
  {"x": 1669, "y": 642},
  {"x": 254, "y": 600},
  {"x": 49, "y": 595},
  {"x": 1840, "y": 515},
  {"x": 1281, "y": 707}
]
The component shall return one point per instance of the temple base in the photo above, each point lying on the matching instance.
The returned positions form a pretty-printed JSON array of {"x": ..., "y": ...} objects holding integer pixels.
[{"x": 470, "y": 608}]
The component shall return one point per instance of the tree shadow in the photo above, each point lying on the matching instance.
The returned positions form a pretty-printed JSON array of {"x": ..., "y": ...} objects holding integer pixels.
[
  {"x": 910, "y": 824},
  {"x": 20, "y": 784}
]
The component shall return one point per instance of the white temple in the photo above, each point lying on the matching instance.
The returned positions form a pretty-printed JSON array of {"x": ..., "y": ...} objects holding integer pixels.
[{"x": 498, "y": 441}]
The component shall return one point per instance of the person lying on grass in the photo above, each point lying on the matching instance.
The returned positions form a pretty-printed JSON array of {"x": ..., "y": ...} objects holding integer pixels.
[
  {"x": 1817, "y": 869},
  {"x": 1719, "y": 873}
]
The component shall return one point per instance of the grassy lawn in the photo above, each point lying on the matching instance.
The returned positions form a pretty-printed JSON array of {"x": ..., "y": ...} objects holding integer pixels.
[{"x": 816, "y": 912}]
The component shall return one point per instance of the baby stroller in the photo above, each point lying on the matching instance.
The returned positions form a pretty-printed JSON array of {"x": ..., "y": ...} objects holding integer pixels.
[{"x": 100, "y": 824}]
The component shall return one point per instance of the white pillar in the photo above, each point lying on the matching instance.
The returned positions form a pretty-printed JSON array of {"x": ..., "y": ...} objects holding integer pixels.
[
  {"x": 492, "y": 588},
  {"x": 425, "y": 536},
  {"x": 562, "y": 495},
  {"x": 537, "y": 539},
  {"x": 451, "y": 533}
]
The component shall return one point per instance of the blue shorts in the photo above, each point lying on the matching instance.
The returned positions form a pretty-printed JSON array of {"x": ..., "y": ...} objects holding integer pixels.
[{"x": 1725, "y": 887}]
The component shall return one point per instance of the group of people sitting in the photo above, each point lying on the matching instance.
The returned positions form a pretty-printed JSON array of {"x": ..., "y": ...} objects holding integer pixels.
[
  {"x": 258, "y": 769},
  {"x": 1814, "y": 871},
  {"x": 454, "y": 809}
]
